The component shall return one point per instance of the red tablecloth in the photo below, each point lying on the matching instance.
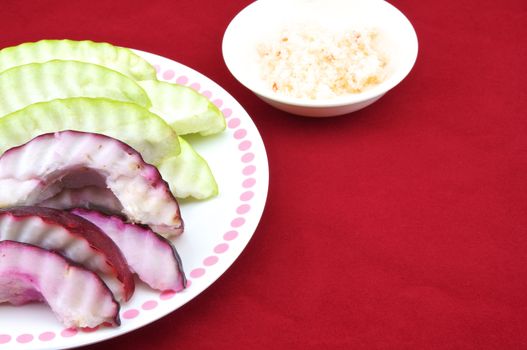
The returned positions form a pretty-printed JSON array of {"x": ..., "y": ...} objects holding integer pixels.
[{"x": 401, "y": 226}]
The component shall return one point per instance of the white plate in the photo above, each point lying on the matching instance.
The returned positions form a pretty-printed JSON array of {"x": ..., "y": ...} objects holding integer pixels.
[{"x": 216, "y": 231}]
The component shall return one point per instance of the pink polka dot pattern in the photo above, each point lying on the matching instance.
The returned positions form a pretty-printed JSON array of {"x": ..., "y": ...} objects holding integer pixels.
[
  {"x": 233, "y": 123},
  {"x": 69, "y": 332},
  {"x": 197, "y": 273},
  {"x": 249, "y": 170},
  {"x": 189, "y": 283},
  {"x": 240, "y": 134},
  {"x": 129, "y": 314},
  {"x": 244, "y": 145},
  {"x": 248, "y": 183},
  {"x": 195, "y": 86},
  {"x": 237, "y": 222},
  {"x": 243, "y": 209},
  {"x": 24, "y": 338},
  {"x": 211, "y": 260},
  {"x": 218, "y": 102},
  {"x": 46, "y": 336},
  {"x": 166, "y": 295},
  {"x": 5, "y": 338},
  {"x": 227, "y": 112},
  {"x": 248, "y": 157},
  {"x": 221, "y": 248},
  {"x": 182, "y": 80},
  {"x": 231, "y": 235},
  {"x": 247, "y": 196},
  {"x": 149, "y": 305},
  {"x": 169, "y": 74},
  {"x": 89, "y": 329}
]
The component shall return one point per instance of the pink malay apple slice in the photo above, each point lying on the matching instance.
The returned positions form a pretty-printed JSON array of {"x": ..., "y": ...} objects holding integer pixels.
[
  {"x": 153, "y": 258},
  {"x": 77, "y": 296},
  {"x": 41, "y": 168},
  {"x": 77, "y": 239},
  {"x": 89, "y": 197}
]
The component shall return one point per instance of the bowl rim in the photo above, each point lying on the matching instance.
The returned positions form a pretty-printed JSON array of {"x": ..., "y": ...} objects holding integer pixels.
[{"x": 338, "y": 101}]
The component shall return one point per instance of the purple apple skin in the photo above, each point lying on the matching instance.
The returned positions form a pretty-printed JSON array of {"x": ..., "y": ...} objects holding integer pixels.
[
  {"x": 29, "y": 273},
  {"x": 41, "y": 168},
  {"x": 153, "y": 258},
  {"x": 43, "y": 221}
]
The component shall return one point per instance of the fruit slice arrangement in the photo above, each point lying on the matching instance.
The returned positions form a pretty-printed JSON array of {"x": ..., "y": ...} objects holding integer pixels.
[
  {"x": 92, "y": 163},
  {"x": 43, "y": 167},
  {"x": 78, "y": 296},
  {"x": 137, "y": 244}
]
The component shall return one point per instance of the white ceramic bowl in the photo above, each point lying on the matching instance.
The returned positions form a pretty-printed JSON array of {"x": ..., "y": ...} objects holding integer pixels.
[{"x": 264, "y": 18}]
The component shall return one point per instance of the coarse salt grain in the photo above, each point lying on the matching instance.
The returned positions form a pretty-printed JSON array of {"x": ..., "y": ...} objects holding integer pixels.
[{"x": 315, "y": 63}]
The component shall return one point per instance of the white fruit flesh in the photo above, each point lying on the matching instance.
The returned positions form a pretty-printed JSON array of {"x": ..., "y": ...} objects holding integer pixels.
[
  {"x": 89, "y": 197},
  {"x": 78, "y": 240},
  {"x": 153, "y": 258},
  {"x": 36, "y": 171},
  {"x": 77, "y": 296}
]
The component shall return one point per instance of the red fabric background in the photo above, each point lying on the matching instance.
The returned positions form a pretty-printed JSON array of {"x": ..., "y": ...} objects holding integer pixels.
[{"x": 401, "y": 226}]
